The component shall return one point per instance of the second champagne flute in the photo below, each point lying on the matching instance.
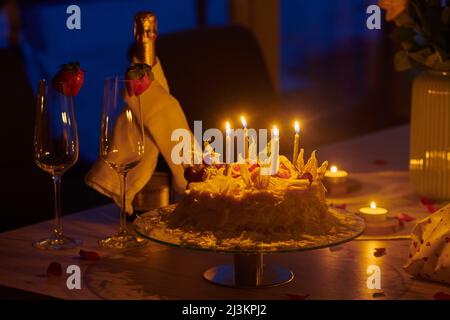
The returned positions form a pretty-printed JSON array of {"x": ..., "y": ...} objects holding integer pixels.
[{"x": 121, "y": 147}]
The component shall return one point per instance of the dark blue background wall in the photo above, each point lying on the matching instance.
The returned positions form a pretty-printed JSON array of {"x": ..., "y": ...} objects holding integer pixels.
[{"x": 309, "y": 29}]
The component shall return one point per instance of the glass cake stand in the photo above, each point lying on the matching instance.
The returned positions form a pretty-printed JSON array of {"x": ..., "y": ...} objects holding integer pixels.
[{"x": 248, "y": 269}]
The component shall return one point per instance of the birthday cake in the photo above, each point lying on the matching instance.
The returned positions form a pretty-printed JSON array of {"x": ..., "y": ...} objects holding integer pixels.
[{"x": 235, "y": 205}]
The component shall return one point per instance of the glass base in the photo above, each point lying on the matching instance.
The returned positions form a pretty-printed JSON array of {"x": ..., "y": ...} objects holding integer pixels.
[
  {"x": 121, "y": 241},
  {"x": 57, "y": 243}
]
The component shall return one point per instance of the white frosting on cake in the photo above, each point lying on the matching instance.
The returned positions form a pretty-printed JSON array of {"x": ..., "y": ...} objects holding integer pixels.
[{"x": 237, "y": 199}]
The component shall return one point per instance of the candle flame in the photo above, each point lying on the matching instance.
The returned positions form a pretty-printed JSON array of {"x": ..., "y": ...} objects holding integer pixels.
[
  {"x": 297, "y": 127},
  {"x": 276, "y": 132},
  {"x": 227, "y": 128},
  {"x": 244, "y": 122},
  {"x": 129, "y": 115},
  {"x": 64, "y": 117},
  {"x": 373, "y": 205},
  {"x": 334, "y": 169}
]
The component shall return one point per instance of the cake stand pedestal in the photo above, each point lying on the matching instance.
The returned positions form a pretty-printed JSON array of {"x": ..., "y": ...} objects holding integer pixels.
[{"x": 248, "y": 271}]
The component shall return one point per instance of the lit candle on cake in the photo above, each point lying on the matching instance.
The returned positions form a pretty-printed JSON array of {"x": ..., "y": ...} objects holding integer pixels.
[
  {"x": 373, "y": 213},
  {"x": 296, "y": 142},
  {"x": 244, "y": 124},
  {"x": 228, "y": 142},
  {"x": 275, "y": 148},
  {"x": 336, "y": 176}
]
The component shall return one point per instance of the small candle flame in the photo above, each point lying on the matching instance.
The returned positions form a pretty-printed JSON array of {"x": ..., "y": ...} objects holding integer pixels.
[
  {"x": 129, "y": 115},
  {"x": 244, "y": 122},
  {"x": 64, "y": 117},
  {"x": 334, "y": 169},
  {"x": 297, "y": 127},
  {"x": 276, "y": 132},
  {"x": 373, "y": 205},
  {"x": 227, "y": 128}
]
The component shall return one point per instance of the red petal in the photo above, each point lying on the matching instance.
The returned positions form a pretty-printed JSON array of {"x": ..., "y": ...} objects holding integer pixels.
[
  {"x": 447, "y": 239},
  {"x": 425, "y": 259},
  {"x": 429, "y": 204},
  {"x": 380, "y": 162},
  {"x": 342, "y": 206},
  {"x": 403, "y": 217},
  {"x": 379, "y": 252},
  {"x": 89, "y": 255},
  {"x": 54, "y": 269},
  {"x": 297, "y": 296},
  {"x": 441, "y": 296},
  {"x": 426, "y": 201}
]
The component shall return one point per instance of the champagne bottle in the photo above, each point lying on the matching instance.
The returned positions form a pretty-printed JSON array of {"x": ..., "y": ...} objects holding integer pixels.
[
  {"x": 145, "y": 34},
  {"x": 157, "y": 191}
]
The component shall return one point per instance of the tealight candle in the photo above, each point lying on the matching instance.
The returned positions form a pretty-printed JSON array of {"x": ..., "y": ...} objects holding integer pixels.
[
  {"x": 244, "y": 124},
  {"x": 335, "y": 176},
  {"x": 296, "y": 142},
  {"x": 373, "y": 213}
]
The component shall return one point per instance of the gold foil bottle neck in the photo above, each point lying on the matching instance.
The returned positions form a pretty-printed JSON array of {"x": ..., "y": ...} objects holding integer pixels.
[{"x": 145, "y": 33}]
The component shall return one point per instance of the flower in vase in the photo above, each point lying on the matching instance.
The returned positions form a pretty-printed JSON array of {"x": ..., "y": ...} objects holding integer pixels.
[{"x": 393, "y": 7}]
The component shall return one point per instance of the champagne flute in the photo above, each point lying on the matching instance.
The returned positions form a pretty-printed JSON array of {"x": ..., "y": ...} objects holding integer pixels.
[
  {"x": 55, "y": 150},
  {"x": 121, "y": 147}
]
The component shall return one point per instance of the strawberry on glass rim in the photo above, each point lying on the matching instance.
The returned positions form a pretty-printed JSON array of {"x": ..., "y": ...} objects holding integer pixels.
[
  {"x": 69, "y": 79},
  {"x": 140, "y": 76}
]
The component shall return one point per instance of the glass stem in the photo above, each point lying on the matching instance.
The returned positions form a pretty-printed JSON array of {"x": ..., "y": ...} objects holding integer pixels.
[
  {"x": 123, "y": 211},
  {"x": 58, "y": 222}
]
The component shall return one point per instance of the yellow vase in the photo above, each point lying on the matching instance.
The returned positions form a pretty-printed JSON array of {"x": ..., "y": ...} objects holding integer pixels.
[{"x": 429, "y": 162}]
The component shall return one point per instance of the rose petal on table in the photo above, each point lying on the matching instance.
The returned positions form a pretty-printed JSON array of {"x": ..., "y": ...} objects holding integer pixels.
[
  {"x": 380, "y": 162},
  {"x": 342, "y": 206},
  {"x": 430, "y": 204},
  {"x": 441, "y": 296},
  {"x": 54, "y": 269},
  {"x": 89, "y": 255},
  {"x": 426, "y": 201},
  {"x": 297, "y": 296},
  {"x": 403, "y": 217},
  {"x": 379, "y": 252},
  {"x": 378, "y": 295}
]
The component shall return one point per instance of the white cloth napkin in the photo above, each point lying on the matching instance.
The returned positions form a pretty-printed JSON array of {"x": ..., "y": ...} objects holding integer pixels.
[
  {"x": 429, "y": 255},
  {"x": 161, "y": 114}
]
